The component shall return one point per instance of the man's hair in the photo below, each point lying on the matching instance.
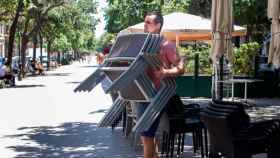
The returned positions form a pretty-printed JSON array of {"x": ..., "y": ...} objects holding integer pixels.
[{"x": 158, "y": 19}]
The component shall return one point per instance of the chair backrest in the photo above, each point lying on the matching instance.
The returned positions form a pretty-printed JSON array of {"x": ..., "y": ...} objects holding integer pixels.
[
  {"x": 174, "y": 106},
  {"x": 135, "y": 76},
  {"x": 224, "y": 120},
  {"x": 220, "y": 133},
  {"x": 238, "y": 116},
  {"x": 128, "y": 45}
]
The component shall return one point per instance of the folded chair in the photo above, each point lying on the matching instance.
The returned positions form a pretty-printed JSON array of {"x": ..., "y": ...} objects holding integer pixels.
[
  {"x": 122, "y": 53},
  {"x": 183, "y": 119},
  {"x": 130, "y": 81},
  {"x": 232, "y": 135}
]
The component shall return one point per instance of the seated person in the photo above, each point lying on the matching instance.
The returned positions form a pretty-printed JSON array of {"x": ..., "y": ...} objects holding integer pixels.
[
  {"x": 5, "y": 74},
  {"x": 37, "y": 67},
  {"x": 40, "y": 68}
]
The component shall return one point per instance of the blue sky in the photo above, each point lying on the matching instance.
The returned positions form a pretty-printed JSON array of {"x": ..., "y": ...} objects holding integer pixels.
[{"x": 101, "y": 25}]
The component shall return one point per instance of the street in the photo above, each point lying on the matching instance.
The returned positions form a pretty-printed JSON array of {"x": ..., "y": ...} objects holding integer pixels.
[{"x": 43, "y": 118}]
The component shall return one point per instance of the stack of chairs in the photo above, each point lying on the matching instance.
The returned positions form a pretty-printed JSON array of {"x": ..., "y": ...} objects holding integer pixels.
[
  {"x": 130, "y": 80},
  {"x": 233, "y": 135},
  {"x": 183, "y": 119}
]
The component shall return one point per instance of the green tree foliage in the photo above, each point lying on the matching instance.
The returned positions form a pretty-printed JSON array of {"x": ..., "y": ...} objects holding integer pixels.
[
  {"x": 244, "y": 58},
  {"x": 61, "y": 43},
  {"x": 252, "y": 13},
  {"x": 121, "y": 14},
  {"x": 77, "y": 23},
  {"x": 105, "y": 40},
  {"x": 249, "y": 13},
  {"x": 200, "y": 8},
  {"x": 170, "y": 6},
  {"x": 7, "y": 9},
  {"x": 189, "y": 53}
]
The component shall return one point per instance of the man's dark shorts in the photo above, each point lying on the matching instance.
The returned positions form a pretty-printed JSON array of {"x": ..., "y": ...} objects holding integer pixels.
[{"x": 151, "y": 132}]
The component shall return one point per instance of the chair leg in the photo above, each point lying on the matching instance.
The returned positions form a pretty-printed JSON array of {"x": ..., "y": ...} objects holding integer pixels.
[
  {"x": 178, "y": 144},
  {"x": 167, "y": 145},
  {"x": 194, "y": 141},
  {"x": 201, "y": 143},
  {"x": 172, "y": 145},
  {"x": 212, "y": 155},
  {"x": 124, "y": 117},
  {"x": 164, "y": 144},
  {"x": 183, "y": 144},
  {"x": 205, "y": 141}
]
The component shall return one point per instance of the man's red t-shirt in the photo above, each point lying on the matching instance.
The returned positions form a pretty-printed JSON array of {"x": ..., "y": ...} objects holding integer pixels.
[{"x": 168, "y": 56}]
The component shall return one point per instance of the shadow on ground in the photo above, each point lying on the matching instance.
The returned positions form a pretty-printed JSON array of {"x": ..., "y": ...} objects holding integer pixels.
[
  {"x": 72, "y": 140},
  {"x": 27, "y": 86},
  {"x": 74, "y": 82},
  {"x": 89, "y": 66},
  {"x": 98, "y": 111},
  {"x": 51, "y": 74},
  {"x": 58, "y": 74}
]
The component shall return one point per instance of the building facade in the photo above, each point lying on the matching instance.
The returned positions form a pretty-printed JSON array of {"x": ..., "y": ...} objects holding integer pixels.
[{"x": 2, "y": 40}]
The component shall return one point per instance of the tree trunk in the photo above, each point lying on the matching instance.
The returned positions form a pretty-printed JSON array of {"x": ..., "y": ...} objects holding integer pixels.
[
  {"x": 59, "y": 58},
  {"x": 76, "y": 55},
  {"x": 12, "y": 32},
  {"x": 35, "y": 41},
  {"x": 24, "y": 43},
  {"x": 41, "y": 48},
  {"x": 48, "y": 54}
]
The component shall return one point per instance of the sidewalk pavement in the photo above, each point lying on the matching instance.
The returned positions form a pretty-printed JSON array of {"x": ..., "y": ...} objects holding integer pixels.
[{"x": 43, "y": 118}]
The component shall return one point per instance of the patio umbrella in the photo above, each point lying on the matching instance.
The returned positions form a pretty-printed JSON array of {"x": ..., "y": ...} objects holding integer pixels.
[
  {"x": 222, "y": 28},
  {"x": 273, "y": 13},
  {"x": 180, "y": 26}
]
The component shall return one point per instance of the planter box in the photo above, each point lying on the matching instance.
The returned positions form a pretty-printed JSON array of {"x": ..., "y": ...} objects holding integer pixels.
[{"x": 189, "y": 86}]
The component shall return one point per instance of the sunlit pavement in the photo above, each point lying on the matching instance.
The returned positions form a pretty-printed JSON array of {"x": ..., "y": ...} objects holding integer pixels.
[{"x": 43, "y": 118}]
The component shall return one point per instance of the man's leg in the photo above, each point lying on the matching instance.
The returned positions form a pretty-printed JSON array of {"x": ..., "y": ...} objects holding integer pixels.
[
  {"x": 149, "y": 146},
  {"x": 147, "y": 137},
  {"x": 148, "y": 140}
]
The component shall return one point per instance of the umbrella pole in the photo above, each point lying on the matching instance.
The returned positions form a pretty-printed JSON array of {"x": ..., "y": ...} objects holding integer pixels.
[
  {"x": 220, "y": 78},
  {"x": 217, "y": 85}
]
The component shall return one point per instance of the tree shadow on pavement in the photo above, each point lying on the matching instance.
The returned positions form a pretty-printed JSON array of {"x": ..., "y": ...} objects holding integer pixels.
[
  {"x": 98, "y": 111},
  {"x": 72, "y": 140},
  {"x": 27, "y": 86},
  {"x": 58, "y": 74},
  {"x": 90, "y": 66},
  {"x": 51, "y": 74},
  {"x": 74, "y": 82}
]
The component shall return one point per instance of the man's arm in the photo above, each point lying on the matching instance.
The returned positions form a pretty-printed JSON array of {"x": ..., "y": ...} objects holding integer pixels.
[
  {"x": 177, "y": 62},
  {"x": 175, "y": 70},
  {"x": 100, "y": 57}
]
